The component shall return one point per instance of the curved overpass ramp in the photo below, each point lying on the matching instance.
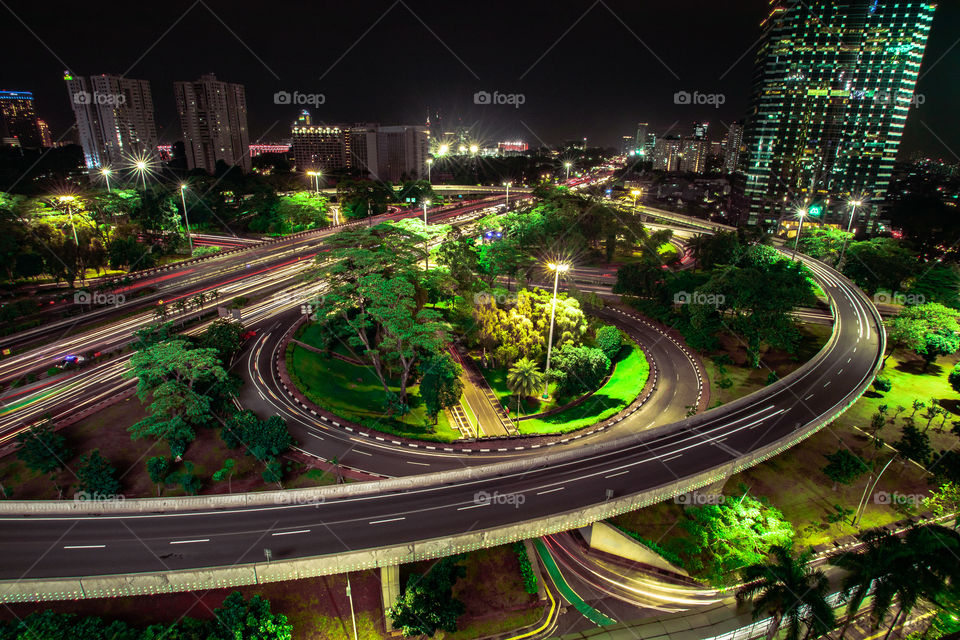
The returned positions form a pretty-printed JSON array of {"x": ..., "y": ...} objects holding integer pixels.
[{"x": 58, "y": 550}]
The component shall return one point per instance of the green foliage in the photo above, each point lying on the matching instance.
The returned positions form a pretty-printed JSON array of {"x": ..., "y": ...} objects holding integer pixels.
[
  {"x": 914, "y": 444},
  {"x": 929, "y": 330},
  {"x": 882, "y": 385},
  {"x": 524, "y": 378},
  {"x": 824, "y": 243},
  {"x": 224, "y": 336},
  {"x": 273, "y": 472},
  {"x": 526, "y": 569},
  {"x": 736, "y": 533},
  {"x": 954, "y": 377},
  {"x": 158, "y": 468},
  {"x": 578, "y": 369},
  {"x": 96, "y": 475},
  {"x": 609, "y": 340},
  {"x": 427, "y": 604},
  {"x": 42, "y": 449},
  {"x": 440, "y": 386},
  {"x": 241, "y": 619},
  {"x": 263, "y": 439},
  {"x": 844, "y": 467}
]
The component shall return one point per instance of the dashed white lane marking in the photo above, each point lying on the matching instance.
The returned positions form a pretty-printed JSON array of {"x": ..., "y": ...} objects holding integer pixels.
[
  {"x": 614, "y": 475},
  {"x": 422, "y": 464},
  {"x": 362, "y": 452},
  {"x": 672, "y": 458},
  {"x": 387, "y": 520},
  {"x": 315, "y": 435},
  {"x": 540, "y": 493},
  {"x": 290, "y": 533},
  {"x": 85, "y": 546},
  {"x": 190, "y": 541},
  {"x": 826, "y": 383},
  {"x": 808, "y": 397},
  {"x": 473, "y": 506}
]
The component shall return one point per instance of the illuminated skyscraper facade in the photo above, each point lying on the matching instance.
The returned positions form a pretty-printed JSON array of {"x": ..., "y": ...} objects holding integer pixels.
[
  {"x": 213, "y": 115},
  {"x": 832, "y": 87},
  {"x": 18, "y": 119}
]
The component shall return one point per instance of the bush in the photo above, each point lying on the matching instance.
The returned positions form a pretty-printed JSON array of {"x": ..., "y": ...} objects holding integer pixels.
[
  {"x": 882, "y": 384},
  {"x": 609, "y": 340},
  {"x": 579, "y": 369},
  {"x": 526, "y": 569}
]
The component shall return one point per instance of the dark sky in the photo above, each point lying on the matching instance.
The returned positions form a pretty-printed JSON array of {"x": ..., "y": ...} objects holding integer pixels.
[{"x": 584, "y": 68}]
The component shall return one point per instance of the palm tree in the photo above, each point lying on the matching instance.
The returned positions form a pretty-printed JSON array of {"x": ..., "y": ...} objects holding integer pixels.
[
  {"x": 199, "y": 299},
  {"x": 787, "y": 590},
  {"x": 863, "y": 567},
  {"x": 697, "y": 244},
  {"x": 524, "y": 379},
  {"x": 160, "y": 312}
]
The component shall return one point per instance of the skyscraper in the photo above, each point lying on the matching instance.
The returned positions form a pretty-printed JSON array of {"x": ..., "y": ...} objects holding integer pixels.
[
  {"x": 832, "y": 87},
  {"x": 18, "y": 120},
  {"x": 402, "y": 153},
  {"x": 641, "y": 140},
  {"x": 731, "y": 158},
  {"x": 213, "y": 115},
  {"x": 114, "y": 118}
]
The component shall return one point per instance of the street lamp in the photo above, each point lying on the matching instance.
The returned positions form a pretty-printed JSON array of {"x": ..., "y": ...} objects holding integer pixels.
[
  {"x": 557, "y": 268},
  {"x": 105, "y": 172},
  {"x": 352, "y": 616},
  {"x": 567, "y": 166},
  {"x": 507, "y": 185},
  {"x": 429, "y": 166},
  {"x": 316, "y": 178},
  {"x": 853, "y": 214},
  {"x": 635, "y": 193},
  {"x": 183, "y": 199},
  {"x": 67, "y": 200},
  {"x": 141, "y": 166},
  {"x": 426, "y": 245},
  {"x": 801, "y": 213}
]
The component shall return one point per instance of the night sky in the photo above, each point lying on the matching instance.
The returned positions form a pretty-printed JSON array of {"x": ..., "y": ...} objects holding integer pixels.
[{"x": 584, "y": 68}]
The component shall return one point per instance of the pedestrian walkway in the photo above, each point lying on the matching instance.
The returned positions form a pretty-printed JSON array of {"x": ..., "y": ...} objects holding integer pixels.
[
  {"x": 491, "y": 418},
  {"x": 571, "y": 596}
]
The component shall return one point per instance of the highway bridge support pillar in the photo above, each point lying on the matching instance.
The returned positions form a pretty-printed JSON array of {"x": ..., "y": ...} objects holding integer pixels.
[{"x": 390, "y": 590}]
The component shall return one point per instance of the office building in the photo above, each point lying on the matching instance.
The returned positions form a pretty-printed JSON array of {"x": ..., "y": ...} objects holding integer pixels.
[
  {"x": 832, "y": 88},
  {"x": 402, "y": 153},
  {"x": 213, "y": 115},
  {"x": 46, "y": 139},
  {"x": 731, "y": 157},
  {"x": 114, "y": 115},
  {"x": 18, "y": 120},
  {"x": 361, "y": 148},
  {"x": 666, "y": 153},
  {"x": 318, "y": 147}
]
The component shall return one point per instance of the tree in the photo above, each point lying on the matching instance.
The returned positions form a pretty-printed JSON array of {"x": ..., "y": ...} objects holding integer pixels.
[
  {"x": 42, "y": 449},
  {"x": 945, "y": 500},
  {"x": 524, "y": 379},
  {"x": 578, "y": 369},
  {"x": 226, "y": 471},
  {"x": 844, "y": 467},
  {"x": 609, "y": 340},
  {"x": 263, "y": 439},
  {"x": 158, "y": 467},
  {"x": 96, "y": 476},
  {"x": 954, "y": 378},
  {"x": 791, "y": 593},
  {"x": 224, "y": 335},
  {"x": 440, "y": 385},
  {"x": 427, "y": 604},
  {"x": 914, "y": 444},
  {"x": 882, "y": 385},
  {"x": 240, "y": 619},
  {"x": 929, "y": 330}
]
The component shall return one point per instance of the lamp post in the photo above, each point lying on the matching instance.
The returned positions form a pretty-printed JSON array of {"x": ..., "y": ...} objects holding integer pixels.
[
  {"x": 426, "y": 240},
  {"x": 183, "y": 199},
  {"x": 507, "y": 185},
  {"x": 105, "y": 172},
  {"x": 141, "y": 166},
  {"x": 557, "y": 268},
  {"x": 67, "y": 200},
  {"x": 567, "y": 166},
  {"x": 802, "y": 213},
  {"x": 352, "y": 616},
  {"x": 853, "y": 214},
  {"x": 635, "y": 193},
  {"x": 429, "y": 167},
  {"x": 315, "y": 175}
]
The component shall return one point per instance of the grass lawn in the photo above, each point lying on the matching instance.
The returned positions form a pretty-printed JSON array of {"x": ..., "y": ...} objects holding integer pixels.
[
  {"x": 355, "y": 393},
  {"x": 628, "y": 379},
  {"x": 492, "y": 593}
]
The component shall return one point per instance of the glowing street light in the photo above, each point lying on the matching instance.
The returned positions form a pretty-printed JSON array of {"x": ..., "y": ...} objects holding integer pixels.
[
  {"x": 316, "y": 178},
  {"x": 507, "y": 185},
  {"x": 635, "y": 193},
  {"x": 426, "y": 245},
  {"x": 801, "y": 214},
  {"x": 853, "y": 214},
  {"x": 557, "y": 268},
  {"x": 106, "y": 172},
  {"x": 67, "y": 200},
  {"x": 443, "y": 149},
  {"x": 429, "y": 166},
  {"x": 474, "y": 149},
  {"x": 142, "y": 164},
  {"x": 183, "y": 199},
  {"x": 567, "y": 166}
]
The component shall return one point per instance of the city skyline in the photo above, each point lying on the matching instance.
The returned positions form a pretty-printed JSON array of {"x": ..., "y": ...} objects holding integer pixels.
[{"x": 559, "y": 72}]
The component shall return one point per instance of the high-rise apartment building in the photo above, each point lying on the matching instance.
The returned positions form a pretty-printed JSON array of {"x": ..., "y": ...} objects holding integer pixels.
[
  {"x": 833, "y": 85},
  {"x": 640, "y": 142},
  {"x": 18, "y": 120},
  {"x": 731, "y": 157},
  {"x": 402, "y": 152},
  {"x": 114, "y": 118},
  {"x": 213, "y": 115},
  {"x": 666, "y": 153}
]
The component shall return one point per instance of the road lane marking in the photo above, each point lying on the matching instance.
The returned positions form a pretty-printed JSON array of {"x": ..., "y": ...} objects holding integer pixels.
[
  {"x": 473, "y": 506},
  {"x": 672, "y": 458},
  {"x": 387, "y": 520},
  {"x": 540, "y": 493},
  {"x": 85, "y": 546},
  {"x": 315, "y": 435},
  {"x": 614, "y": 475},
  {"x": 290, "y": 533},
  {"x": 362, "y": 452},
  {"x": 422, "y": 464},
  {"x": 808, "y": 397},
  {"x": 190, "y": 541}
]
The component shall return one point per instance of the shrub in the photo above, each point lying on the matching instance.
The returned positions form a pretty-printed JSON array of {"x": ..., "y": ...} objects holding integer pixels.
[
  {"x": 609, "y": 340},
  {"x": 526, "y": 569},
  {"x": 882, "y": 384}
]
